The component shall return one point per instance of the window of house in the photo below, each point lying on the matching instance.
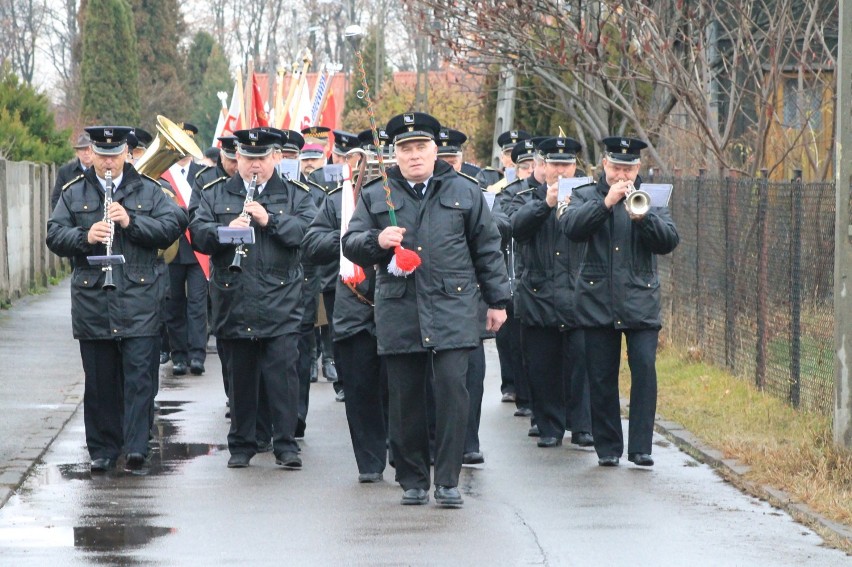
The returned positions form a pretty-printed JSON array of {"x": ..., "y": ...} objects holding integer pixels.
[{"x": 802, "y": 105}]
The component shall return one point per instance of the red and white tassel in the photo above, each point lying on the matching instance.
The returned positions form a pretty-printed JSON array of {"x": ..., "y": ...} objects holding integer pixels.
[{"x": 404, "y": 262}]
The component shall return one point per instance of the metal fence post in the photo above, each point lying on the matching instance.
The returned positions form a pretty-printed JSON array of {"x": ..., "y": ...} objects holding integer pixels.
[
  {"x": 762, "y": 278},
  {"x": 730, "y": 272},
  {"x": 796, "y": 206},
  {"x": 699, "y": 297}
]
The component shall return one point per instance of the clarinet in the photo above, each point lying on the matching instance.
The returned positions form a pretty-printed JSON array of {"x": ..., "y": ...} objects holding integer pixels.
[
  {"x": 235, "y": 266},
  {"x": 108, "y": 283}
]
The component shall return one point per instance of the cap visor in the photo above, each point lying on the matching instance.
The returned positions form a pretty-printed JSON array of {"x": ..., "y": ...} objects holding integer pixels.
[
  {"x": 560, "y": 158},
  {"x": 109, "y": 151},
  {"x": 413, "y": 136},
  {"x": 254, "y": 151},
  {"x": 624, "y": 159}
]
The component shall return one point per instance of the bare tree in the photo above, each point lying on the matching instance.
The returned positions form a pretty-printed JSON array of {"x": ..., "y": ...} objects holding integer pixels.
[
  {"x": 21, "y": 26},
  {"x": 705, "y": 70}
]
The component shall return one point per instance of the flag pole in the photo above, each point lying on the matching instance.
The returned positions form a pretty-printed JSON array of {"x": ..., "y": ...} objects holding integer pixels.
[{"x": 306, "y": 64}]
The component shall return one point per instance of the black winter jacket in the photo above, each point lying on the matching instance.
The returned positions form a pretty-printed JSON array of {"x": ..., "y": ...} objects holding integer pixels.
[
  {"x": 617, "y": 284},
  {"x": 132, "y": 309},
  {"x": 451, "y": 228}
]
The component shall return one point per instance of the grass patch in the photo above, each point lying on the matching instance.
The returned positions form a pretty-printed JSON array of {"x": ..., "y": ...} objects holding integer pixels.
[{"x": 787, "y": 449}]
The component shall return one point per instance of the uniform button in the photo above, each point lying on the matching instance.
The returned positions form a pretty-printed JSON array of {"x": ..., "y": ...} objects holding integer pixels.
[
  {"x": 557, "y": 253},
  {"x": 616, "y": 248},
  {"x": 618, "y": 322},
  {"x": 459, "y": 288},
  {"x": 426, "y": 339},
  {"x": 280, "y": 212},
  {"x": 85, "y": 282},
  {"x": 457, "y": 204},
  {"x": 115, "y": 330},
  {"x": 649, "y": 285},
  {"x": 141, "y": 279},
  {"x": 227, "y": 208},
  {"x": 282, "y": 283},
  {"x": 591, "y": 283},
  {"x": 226, "y": 285},
  {"x": 138, "y": 206},
  {"x": 85, "y": 207},
  {"x": 249, "y": 329},
  {"x": 534, "y": 289}
]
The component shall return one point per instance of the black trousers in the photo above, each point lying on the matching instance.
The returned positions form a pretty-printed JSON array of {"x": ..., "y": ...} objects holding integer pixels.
[
  {"x": 513, "y": 374},
  {"x": 186, "y": 312},
  {"x": 366, "y": 399},
  {"x": 331, "y": 355},
  {"x": 307, "y": 339},
  {"x": 603, "y": 356},
  {"x": 409, "y": 422},
  {"x": 475, "y": 390},
  {"x": 577, "y": 401},
  {"x": 119, "y": 394},
  {"x": 273, "y": 361}
]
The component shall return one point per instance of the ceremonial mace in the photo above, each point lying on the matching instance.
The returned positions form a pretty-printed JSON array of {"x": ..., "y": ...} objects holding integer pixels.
[{"x": 404, "y": 261}]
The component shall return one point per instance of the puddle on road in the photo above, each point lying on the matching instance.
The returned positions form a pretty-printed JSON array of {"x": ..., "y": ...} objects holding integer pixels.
[{"x": 109, "y": 508}]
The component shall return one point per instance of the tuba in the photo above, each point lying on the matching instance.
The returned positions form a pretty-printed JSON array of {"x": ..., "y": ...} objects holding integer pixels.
[{"x": 170, "y": 146}]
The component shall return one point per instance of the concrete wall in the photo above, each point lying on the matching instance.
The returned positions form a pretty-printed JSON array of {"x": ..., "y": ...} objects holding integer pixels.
[{"x": 25, "y": 262}]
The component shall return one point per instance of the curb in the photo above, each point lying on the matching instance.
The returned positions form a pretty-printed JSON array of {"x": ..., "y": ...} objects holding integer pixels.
[{"x": 835, "y": 534}]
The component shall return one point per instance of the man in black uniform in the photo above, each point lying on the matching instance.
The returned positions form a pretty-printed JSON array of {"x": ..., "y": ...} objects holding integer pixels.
[
  {"x": 117, "y": 328},
  {"x": 552, "y": 344},
  {"x": 256, "y": 311},
  {"x": 427, "y": 323},
  {"x": 186, "y": 316},
  {"x": 74, "y": 168},
  {"x": 355, "y": 342},
  {"x": 618, "y": 292}
]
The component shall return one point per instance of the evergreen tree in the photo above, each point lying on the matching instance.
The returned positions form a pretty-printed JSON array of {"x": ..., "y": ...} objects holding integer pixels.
[
  {"x": 196, "y": 60},
  {"x": 110, "y": 86},
  {"x": 27, "y": 128},
  {"x": 206, "y": 106},
  {"x": 162, "y": 87}
]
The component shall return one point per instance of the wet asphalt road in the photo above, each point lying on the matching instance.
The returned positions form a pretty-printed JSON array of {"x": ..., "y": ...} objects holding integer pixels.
[{"x": 525, "y": 506}]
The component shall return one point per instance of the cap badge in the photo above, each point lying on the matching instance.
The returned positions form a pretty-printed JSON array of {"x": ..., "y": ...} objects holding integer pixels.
[
  {"x": 408, "y": 119},
  {"x": 560, "y": 143},
  {"x": 625, "y": 143},
  {"x": 252, "y": 135},
  {"x": 108, "y": 132}
]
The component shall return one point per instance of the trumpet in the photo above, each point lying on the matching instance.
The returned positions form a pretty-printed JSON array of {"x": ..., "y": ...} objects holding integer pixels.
[
  {"x": 236, "y": 266},
  {"x": 108, "y": 283},
  {"x": 637, "y": 202}
]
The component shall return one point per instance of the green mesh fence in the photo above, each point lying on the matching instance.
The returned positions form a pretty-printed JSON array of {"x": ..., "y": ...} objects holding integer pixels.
[{"x": 750, "y": 287}]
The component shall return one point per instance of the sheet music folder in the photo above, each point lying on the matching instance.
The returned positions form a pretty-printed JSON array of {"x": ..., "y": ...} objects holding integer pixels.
[
  {"x": 111, "y": 260},
  {"x": 568, "y": 184},
  {"x": 660, "y": 193},
  {"x": 235, "y": 235}
]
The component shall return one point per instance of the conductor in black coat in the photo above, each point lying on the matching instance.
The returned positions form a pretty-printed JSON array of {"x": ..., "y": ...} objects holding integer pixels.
[
  {"x": 617, "y": 292},
  {"x": 428, "y": 322}
]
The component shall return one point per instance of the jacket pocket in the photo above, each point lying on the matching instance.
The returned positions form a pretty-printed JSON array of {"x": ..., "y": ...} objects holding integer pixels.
[
  {"x": 140, "y": 206},
  {"x": 140, "y": 275},
  {"x": 85, "y": 279},
  {"x": 390, "y": 288},
  {"x": 226, "y": 212},
  {"x": 458, "y": 286},
  {"x": 456, "y": 206},
  {"x": 87, "y": 213}
]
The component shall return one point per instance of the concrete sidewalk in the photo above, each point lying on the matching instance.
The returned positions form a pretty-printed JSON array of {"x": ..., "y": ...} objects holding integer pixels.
[{"x": 42, "y": 380}]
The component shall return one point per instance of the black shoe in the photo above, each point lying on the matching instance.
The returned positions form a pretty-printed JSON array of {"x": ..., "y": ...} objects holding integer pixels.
[
  {"x": 523, "y": 412},
  {"x": 508, "y": 397},
  {"x": 582, "y": 438},
  {"x": 239, "y": 461},
  {"x": 314, "y": 371},
  {"x": 164, "y": 357},
  {"x": 289, "y": 460},
  {"x": 370, "y": 477},
  {"x": 196, "y": 367},
  {"x": 179, "y": 369},
  {"x": 329, "y": 371},
  {"x": 340, "y": 396},
  {"x": 102, "y": 465},
  {"x": 448, "y": 497},
  {"x": 300, "y": 428},
  {"x": 533, "y": 432},
  {"x": 608, "y": 461},
  {"x": 264, "y": 446},
  {"x": 549, "y": 442},
  {"x": 473, "y": 458},
  {"x": 414, "y": 497},
  {"x": 641, "y": 459},
  {"x": 134, "y": 461}
]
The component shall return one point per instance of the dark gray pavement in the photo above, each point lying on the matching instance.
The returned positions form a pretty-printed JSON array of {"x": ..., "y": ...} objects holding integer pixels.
[{"x": 525, "y": 506}]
